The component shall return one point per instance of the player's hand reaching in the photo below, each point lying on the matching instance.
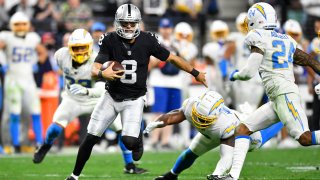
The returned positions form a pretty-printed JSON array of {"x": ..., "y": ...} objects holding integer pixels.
[
  {"x": 202, "y": 78},
  {"x": 77, "y": 89},
  {"x": 110, "y": 74},
  {"x": 151, "y": 126},
  {"x": 317, "y": 89}
]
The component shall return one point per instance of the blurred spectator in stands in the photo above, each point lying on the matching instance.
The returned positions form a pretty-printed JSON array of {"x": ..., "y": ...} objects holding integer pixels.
[
  {"x": 4, "y": 18},
  {"x": 22, "y": 6},
  {"x": 167, "y": 82},
  {"x": 184, "y": 8},
  {"x": 45, "y": 16},
  {"x": 155, "y": 7},
  {"x": 183, "y": 42},
  {"x": 312, "y": 10},
  {"x": 217, "y": 55},
  {"x": 97, "y": 29},
  {"x": 314, "y": 79},
  {"x": 75, "y": 14}
]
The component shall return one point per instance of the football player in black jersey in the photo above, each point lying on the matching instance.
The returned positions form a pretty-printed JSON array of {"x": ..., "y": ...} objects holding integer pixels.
[{"x": 125, "y": 94}]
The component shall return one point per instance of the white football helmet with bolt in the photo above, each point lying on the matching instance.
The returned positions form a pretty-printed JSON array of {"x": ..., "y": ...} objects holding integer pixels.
[{"x": 261, "y": 16}]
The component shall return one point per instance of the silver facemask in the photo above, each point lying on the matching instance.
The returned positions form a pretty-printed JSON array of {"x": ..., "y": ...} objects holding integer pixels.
[{"x": 127, "y": 14}]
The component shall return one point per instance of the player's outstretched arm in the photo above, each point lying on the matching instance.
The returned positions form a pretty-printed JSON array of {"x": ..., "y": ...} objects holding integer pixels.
[
  {"x": 183, "y": 65},
  {"x": 172, "y": 117},
  {"x": 303, "y": 59},
  {"x": 250, "y": 70}
]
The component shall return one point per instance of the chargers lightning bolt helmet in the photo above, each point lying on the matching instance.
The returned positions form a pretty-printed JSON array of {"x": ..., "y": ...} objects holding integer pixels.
[
  {"x": 261, "y": 16},
  {"x": 206, "y": 110},
  {"x": 127, "y": 21},
  {"x": 80, "y": 45}
]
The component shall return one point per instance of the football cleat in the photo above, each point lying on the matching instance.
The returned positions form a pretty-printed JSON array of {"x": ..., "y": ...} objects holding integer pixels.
[
  {"x": 213, "y": 177},
  {"x": 227, "y": 177},
  {"x": 167, "y": 176},
  {"x": 137, "y": 153},
  {"x": 133, "y": 169},
  {"x": 70, "y": 178},
  {"x": 41, "y": 153}
]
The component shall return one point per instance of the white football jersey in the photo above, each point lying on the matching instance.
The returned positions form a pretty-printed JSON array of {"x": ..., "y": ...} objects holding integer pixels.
[
  {"x": 80, "y": 75},
  {"x": 224, "y": 126},
  {"x": 242, "y": 50},
  {"x": 21, "y": 53},
  {"x": 276, "y": 69}
]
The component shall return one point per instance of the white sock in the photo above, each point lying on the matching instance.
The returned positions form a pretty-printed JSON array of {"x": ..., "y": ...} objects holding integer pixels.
[
  {"x": 225, "y": 162},
  {"x": 74, "y": 176},
  {"x": 241, "y": 148}
]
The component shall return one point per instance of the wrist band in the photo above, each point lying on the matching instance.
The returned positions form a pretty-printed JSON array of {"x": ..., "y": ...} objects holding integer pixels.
[
  {"x": 194, "y": 72},
  {"x": 100, "y": 74}
]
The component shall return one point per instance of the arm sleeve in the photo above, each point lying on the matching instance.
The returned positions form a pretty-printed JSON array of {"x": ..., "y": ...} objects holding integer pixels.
[
  {"x": 252, "y": 67},
  {"x": 97, "y": 90},
  {"x": 254, "y": 38},
  {"x": 104, "y": 52},
  {"x": 225, "y": 162},
  {"x": 158, "y": 50}
]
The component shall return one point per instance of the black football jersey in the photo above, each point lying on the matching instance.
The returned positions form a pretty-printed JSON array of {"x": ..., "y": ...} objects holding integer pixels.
[{"x": 134, "y": 58}]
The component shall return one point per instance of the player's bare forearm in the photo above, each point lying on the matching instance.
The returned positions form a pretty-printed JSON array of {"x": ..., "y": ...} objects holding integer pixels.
[
  {"x": 303, "y": 59},
  {"x": 172, "y": 117},
  {"x": 95, "y": 70},
  {"x": 180, "y": 63}
]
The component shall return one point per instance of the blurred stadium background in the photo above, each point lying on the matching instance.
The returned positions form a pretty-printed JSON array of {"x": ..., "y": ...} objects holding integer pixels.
[{"x": 53, "y": 19}]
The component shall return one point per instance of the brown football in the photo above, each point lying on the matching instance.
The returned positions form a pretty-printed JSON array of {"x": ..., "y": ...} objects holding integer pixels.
[{"x": 116, "y": 67}]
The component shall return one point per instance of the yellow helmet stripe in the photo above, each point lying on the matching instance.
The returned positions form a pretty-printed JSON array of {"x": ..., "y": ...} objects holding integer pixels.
[
  {"x": 217, "y": 104},
  {"x": 261, "y": 10}
]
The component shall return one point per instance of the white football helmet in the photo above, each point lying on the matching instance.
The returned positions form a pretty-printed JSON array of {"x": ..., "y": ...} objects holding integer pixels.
[
  {"x": 241, "y": 23},
  {"x": 20, "y": 24},
  {"x": 182, "y": 31},
  {"x": 128, "y": 15},
  {"x": 293, "y": 28},
  {"x": 219, "y": 30},
  {"x": 261, "y": 16},
  {"x": 206, "y": 110},
  {"x": 80, "y": 45}
]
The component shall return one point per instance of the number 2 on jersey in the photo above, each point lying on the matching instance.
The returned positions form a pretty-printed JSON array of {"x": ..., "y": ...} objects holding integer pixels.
[
  {"x": 83, "y": 82},
  {"x": 280, "y": 58}
]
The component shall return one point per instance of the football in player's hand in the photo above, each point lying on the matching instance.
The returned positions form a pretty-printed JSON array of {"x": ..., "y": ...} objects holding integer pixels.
[{"x": 116, "y": 66}]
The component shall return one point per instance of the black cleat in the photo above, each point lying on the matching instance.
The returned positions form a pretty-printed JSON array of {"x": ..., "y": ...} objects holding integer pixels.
[
  {"x": 133, "y": 169},
  {"x": 41, "y": 153},
  {"x": 137, "y": 153},
  {"x": 213, "y": 177},
  {"x": 70, "y": 178},
  {"x": 167, "y": 176}
]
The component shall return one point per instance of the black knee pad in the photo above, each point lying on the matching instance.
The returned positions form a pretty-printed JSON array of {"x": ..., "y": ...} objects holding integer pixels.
[{"x": 130, "y": 142}]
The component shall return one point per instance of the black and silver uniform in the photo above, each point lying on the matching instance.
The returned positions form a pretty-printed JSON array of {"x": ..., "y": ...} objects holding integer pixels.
[{"x": 134, "y": 58}]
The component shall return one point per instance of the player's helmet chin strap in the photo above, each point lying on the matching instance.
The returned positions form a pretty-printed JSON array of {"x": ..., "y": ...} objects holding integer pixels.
[{"x": 201, "y": 121}]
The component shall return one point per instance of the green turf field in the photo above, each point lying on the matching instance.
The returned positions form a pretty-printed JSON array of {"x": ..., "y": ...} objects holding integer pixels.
[{"x": 300, "y": 163}]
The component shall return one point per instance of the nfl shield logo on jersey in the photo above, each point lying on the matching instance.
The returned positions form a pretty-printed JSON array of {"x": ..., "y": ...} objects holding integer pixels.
[{"x": 129, "y": 53}]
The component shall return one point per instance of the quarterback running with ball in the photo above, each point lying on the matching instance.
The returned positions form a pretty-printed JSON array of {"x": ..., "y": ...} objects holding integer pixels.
[{"x": 81, "y": 94}]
